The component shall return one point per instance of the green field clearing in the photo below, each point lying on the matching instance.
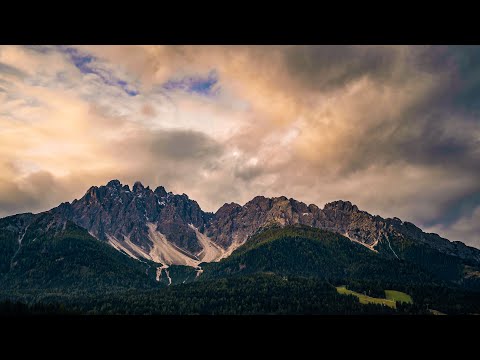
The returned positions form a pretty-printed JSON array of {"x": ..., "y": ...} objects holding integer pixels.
[
  {"x": 398, "y": 296},
  {"x": 392, "y": 296},
  {"x": 364, "y": 299}
]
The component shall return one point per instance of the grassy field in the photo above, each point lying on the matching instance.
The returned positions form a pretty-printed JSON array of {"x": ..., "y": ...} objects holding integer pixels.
[
  {"x": 391, "y": 297},
  {"x": 367, "y": 299},
  {"x": 398, "y": 296}
]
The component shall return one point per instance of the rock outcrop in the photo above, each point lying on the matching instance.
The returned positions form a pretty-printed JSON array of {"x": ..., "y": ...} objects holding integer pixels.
[{"x": 116, "y": 211}]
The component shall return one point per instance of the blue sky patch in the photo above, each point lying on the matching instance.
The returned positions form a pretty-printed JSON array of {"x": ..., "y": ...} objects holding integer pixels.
[
  {"x": 195, "y": 84},
  {"x": 85, "y": 63}
]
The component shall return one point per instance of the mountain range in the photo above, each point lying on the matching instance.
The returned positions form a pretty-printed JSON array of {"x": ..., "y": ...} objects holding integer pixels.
[
  {"x": 117, "y": 237},
  {"x": 173, "y": 229}
]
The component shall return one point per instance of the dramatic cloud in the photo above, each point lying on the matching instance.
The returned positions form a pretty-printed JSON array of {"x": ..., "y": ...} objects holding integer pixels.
[
  {"x": 394, "y": 129},
  {"x": 182, "y": 145}
]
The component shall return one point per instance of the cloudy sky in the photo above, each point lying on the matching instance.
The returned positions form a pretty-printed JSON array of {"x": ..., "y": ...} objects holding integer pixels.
[{"x": 394, "y": 129}]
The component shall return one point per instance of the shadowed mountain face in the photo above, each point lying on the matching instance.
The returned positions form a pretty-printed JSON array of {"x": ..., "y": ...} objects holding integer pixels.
[
  {"x": 306, "y": 251},
  {"x": 47, "y": 251},
  {"x": 172, "y": 229}
]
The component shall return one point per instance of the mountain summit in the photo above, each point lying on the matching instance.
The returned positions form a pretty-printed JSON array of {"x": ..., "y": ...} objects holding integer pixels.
[
  {"x": 170, "y": 229},
  {"x": 155, "y": 225}
]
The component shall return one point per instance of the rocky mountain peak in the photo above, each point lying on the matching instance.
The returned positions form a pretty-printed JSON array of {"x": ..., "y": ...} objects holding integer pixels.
[
  {"x": 126, "y": 218},
  {"x": 92, "y": 190},
  {"x": 160, "y": 192},
  {"x": 91, "y": 195},
  {"x": 185, "y": 196},
  {"x": 138, "y": 187},
  {"x": 229, "y": 208},
  {"x": 260, "y": 202},
  {"x": 342, "y": 205},
  {"x": 142, "y": 219},
  {"x": 116, "y": 184},
  {"x": 257, "y": 199}
]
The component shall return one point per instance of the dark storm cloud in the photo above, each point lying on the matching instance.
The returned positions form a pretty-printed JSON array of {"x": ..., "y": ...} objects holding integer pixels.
[
  {"x": 458, "y": 208},
  {"x": 460, "y": 66},
  {"x": 423, "y": 139},
  {"x": 466, "y": 78},
  {"x": 248, "y": 172},
  {"x": 438, "y": 142},
  {"x": 329, "y": 67},
  {"x": 31, "y": 195},
  {"x": 184, "y": 145},
  {"x": 438, "y": 130}
]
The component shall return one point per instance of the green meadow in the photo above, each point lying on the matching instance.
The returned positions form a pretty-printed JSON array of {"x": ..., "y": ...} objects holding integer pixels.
[
  {"x": 392, "y": 296},
  {"x": 398, "y": 296}
]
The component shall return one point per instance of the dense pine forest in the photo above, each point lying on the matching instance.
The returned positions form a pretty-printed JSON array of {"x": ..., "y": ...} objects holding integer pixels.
[{"x": 292, "y": 270}]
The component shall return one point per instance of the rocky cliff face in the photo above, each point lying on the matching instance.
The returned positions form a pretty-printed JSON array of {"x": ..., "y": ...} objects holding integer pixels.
[
  {"x": 172, "y": 229},
  {"x": 114, "y": 213},
  {"x": 233, "y": 224}
]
